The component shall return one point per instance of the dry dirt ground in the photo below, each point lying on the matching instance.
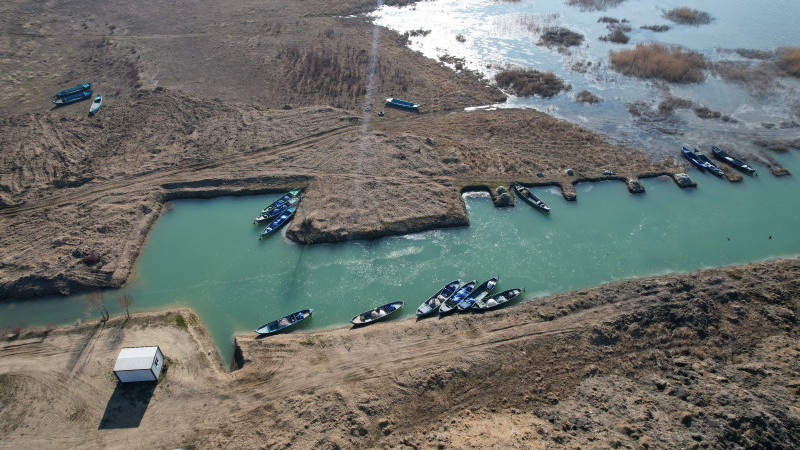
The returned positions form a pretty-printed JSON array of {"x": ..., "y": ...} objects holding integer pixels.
[{"x": 704, "y": 360}]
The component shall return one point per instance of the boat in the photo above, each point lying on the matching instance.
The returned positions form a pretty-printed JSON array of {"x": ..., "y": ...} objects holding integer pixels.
[
  {"x": 451, "y": 303},
  {"x": 376, "y": 314},
  {"x": 477, "y": 294},
  {"x": 688, "y": 154},
  {"x": 281, "y": 201},
  {"x": 433, "y": 303},
  {"x": 277, "y": 223},
  {"x": 277, "y": 211},
  {"x": 73, "y": 90},
  {"x": 96, "y": 104},
  {"x": 733, "y": 162},
  {"x": 80, "y": 96},
  {"x": 497, "y": 300},
  {"x": 284, "y": 322},
  {"x": 402, "y": 104},
  {"x": 529, "y": 197},
  {"x": 711, "y": 167}
]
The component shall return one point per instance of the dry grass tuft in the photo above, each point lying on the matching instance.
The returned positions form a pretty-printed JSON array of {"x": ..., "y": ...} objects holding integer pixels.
[
  {"x": 560, "y": 37},
  {"x": 656, "y": 28},
  {"x": 585, "y": 96},
  {"x": 594, "y": 5},
  {"x": 654, "y": 60},
  {"x": 617, "y": 36},
  {"x": 688, "y": 16},
  {"x": 754, "y": 54},
  {"x": 760, "y": 78},
  {"x": 789, "y": 60},
  {"x": 528, "y": 82}
]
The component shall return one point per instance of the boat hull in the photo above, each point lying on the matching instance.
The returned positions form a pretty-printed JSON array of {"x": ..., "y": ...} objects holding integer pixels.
[
  {"x": 284, "y": 323},
  {"x": 529, "y": 198},
  {"x": 479, "y": 293},
  {"x": 376, "y": 314},
  {"x": 74, "y": 98},
  {"x": 432, "y": 304},
  {"x": 452, "y": 303},
  {"x": 73, "y": 90},
  {"x": 736, "y": 163}
]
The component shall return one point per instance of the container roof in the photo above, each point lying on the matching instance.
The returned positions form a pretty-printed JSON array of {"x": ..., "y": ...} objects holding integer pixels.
[{"x": 135, "y": 358}]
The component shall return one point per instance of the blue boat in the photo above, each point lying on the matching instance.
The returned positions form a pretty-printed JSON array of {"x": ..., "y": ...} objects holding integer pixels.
[
  {"x": 80, "y": 96},
  {"x": 736, "y": 163},
  {"x": 279, "y": 222},
  {"x": 402, "y": 104},
  {"x": 433, "y": 303},
  {"x": 479, "y": 293},
  {"x": 73, "y": 90},
  {"x": 688, "y": 154},
  {"x": 285, "y": 322},
  {"x": 711, "y": 167},
  {"x": 451, "y": 303},
  {"x": 276, "y": 211}
]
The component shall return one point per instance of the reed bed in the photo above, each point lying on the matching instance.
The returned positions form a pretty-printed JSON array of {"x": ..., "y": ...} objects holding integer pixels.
[
  {"x": 789, "y": 60},
  {"x": 528, "y": 82},
  {"x": 688, "y": 16},
  {"x": 658, "y": 61}
]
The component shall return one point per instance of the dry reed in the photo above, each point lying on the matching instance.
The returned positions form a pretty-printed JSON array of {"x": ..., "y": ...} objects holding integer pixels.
[
  {"x": 665, "y": 62},
  {"x": 688, "y": 16},
  {"x": 528, "y": 82},
  {"x": 789, "y": 60}
]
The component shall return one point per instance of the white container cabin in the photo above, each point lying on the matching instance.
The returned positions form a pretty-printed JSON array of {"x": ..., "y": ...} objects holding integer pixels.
[{"x": 139, "y": 364}]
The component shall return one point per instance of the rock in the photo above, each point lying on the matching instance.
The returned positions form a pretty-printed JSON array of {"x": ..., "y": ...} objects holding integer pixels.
[
  {"x": 634, "y": 186},
  {"x": 430, "y": 142},
  {"x": 570, "y": 172},
  {"x": 683, "y": 180},
  {"x": 540, "y": 174}
]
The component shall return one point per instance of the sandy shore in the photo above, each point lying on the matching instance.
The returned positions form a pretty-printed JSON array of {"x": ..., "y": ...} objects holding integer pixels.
[{"x": 707, "y": 359}]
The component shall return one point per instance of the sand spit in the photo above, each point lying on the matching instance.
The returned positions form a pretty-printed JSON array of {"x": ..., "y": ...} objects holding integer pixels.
[{"x": 701, "y": 359}]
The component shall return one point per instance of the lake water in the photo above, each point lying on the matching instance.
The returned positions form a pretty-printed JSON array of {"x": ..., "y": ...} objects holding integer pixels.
[
  {"x": 205, "y": 254},
  {"x": 495, "y": 34}
]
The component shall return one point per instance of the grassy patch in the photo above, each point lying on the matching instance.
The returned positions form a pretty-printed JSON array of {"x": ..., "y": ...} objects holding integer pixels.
[
  {"x": 617, "y": 36},
  {"x": 758, "y": 78},
  {"x": 180, "y": 322},
  {"x": 789, "y": 60},
  {"x": 560, "y": 37},
  {"x": 665, "y": 62},
  {"x": 528, "y": 82},
  {"x": 687, "y": 16},
  {"x": 585, "y": 96}
]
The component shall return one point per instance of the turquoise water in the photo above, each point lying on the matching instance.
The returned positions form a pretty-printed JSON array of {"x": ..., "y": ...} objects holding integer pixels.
[{"x": 205, "y": 254}]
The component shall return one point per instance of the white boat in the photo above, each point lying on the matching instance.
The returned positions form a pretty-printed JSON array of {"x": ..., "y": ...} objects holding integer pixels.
[{"x": 96, "y": 104}]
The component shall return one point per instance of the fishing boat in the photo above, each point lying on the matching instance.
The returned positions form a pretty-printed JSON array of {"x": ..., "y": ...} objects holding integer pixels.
[
  {"x": 80, "y": 96},
  {"x": 688, "y": 154},
  {"x": 477, "y": 294},
  {"x": 432, "y": 304},
  {"x": 376, "y": 314},
  {"x": 281, "y": 201},
  {"x": 277, "y": 211},
  {"x": 73, "y": 90},
  {"x": 733, "y": 162},
  {"x": 529, "y": 197},
  {"x": 452, "y": 302},
  {"x": 284, "y": 322},
  {"x": 711, "y": 167},
  {"x": 96, "y": 104},
  {"x": 277, "y": 223},
  {"x": 497, "y": 300},
  {"x": 402, "y": 104}
]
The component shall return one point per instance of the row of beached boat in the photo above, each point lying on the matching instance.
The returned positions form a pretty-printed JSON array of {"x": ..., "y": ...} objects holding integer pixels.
[
  {"x": 279, "y": 212},
  {"x": 452, "y": 297},
  {"x": 702, "y": 162},
  {"x": 76, "y": 94}
]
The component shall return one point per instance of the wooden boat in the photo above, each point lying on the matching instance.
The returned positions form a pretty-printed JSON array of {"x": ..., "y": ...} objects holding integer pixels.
[
  {"x": 433, "y": 303},
  {"x": 497, "y": 300},
  {"x": 73, "y": 90},
  {"x": 451, "y": 303},
  {"x": 281, "y": 201},
  {"x": 376, "y": 314},
  {"x": 733, "y": 162},
  {"x": 80, "y": 96},
  {"x": 284, "y": 322},
  {"x": 96, "y": 104},
  {"x": 277, "y": 223},
  {"x": 477, "y": 294},
  {"x": 402, "y": 104},
  {"x": 275, "y": 212},
  {"x": 711, "y": 167},
  {"x": 688, "y": 154},
  {"x": 529, "y": 197}
]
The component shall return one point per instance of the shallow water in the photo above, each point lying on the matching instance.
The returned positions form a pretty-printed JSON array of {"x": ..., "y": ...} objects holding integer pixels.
[
  {"x": 205, "y": 254},
  {"x": 498, "y": 34}
]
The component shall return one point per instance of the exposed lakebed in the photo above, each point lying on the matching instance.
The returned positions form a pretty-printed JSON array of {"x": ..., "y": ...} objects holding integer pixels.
[{"x": 205, "y": 254}]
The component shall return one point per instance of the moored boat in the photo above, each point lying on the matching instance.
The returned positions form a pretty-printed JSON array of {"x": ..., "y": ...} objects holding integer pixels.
[
  {"x": 281, "y": 201},
  {"x": 711, "y": 167},
  {"x": 402, "y": 104},
  {"x": 69, "y": 99},
  {"x": 452, "y": 302},
  {"x": 277, "y": 223},
  {"x": 284, "y": 322},
  {"x": 733, "y": 162},
  {"x": 73, "y": 90},
  {"x": 530, "y": 198},
  {"x": 497, "y": 300},
  {"x": 376, "y": 314},
  {"x": 688, "y": 154},
  {"x": 477, "y": 294},
  {"x": 96, "y": 104},
  {"x": 433, "y": 303},
  {"x": 277, "y": 211}
]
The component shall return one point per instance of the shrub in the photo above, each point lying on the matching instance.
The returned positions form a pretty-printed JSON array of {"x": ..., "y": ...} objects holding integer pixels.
[
  {"x": 528, "y": 82},
  {"x": 616, "y": 36},
  {"x": 789, "y": 60},
  {"x": 654, "y": 60},
  {"x": 585, "y": 96},
  {"x": 556, "y": 37},
  {"x": 688, "y": 16}
]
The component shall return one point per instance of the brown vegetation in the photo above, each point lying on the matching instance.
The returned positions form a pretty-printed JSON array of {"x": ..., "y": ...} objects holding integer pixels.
[
  {"x": 688, "y": 16},
  {"x": 585, "y": 96},
  {"x": 560, "y": 37},
  {"x": 789, "y": 60},
  {"x": 594, "y": 5},
  {"x": 755, "y": 54},
  {"x": 665, "y": 62},
  {"x": 617, "y": 36},
  {"x": 656, "y": 28},
  {"x": 759, "y": 78},
  {"x": 704, "y": 112},
  {"x": 528, "y": 82}
]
